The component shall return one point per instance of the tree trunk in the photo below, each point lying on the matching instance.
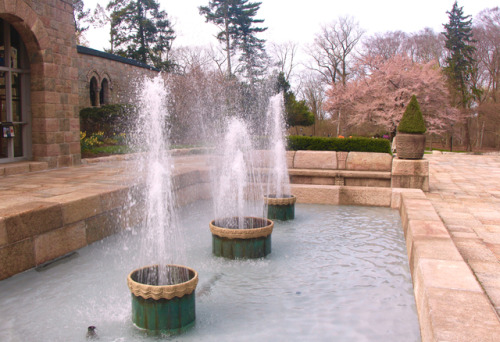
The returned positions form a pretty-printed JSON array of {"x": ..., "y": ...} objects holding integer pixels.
[
  {"x": 141, "y": 36},
  {"x": 467, "y": 135},
  {"x": 228, "y": 43},
  {"x": 338, "y": 125},
  {"x": 482, "y": 134}
]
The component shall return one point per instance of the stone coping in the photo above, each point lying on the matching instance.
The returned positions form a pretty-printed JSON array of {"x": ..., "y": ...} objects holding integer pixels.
[{"x": 135, "y": 156}]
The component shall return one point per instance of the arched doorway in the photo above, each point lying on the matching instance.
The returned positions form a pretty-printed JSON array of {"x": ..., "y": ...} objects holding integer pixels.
[{"x": 15, "y": 118}]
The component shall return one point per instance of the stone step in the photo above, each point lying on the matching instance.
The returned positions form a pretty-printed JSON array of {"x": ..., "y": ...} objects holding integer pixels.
[{"x": 22, "y": 167}]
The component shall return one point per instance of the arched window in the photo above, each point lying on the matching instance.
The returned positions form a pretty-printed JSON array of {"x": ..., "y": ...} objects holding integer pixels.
[
  {"x": 104, "y": 93},
  {"x": 15, "y": 131},
  {"x": 94, "y": 92}
]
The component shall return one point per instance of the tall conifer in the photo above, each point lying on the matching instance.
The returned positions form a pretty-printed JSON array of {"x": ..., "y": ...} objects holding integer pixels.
[
  {"x": 460, "y": 61},
  {"x": 139, "y": 30},
  {"x": 235, "y": 19},
  {"x": 460, "y": 64}
]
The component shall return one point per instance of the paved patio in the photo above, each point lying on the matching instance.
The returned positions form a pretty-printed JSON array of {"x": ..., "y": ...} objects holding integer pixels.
[{"x": 465, "y": 191}]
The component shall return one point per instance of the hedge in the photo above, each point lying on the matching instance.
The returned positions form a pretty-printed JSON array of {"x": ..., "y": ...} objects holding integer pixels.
[
  {"x": 110, "y": 119},
  {"x": 358, "y": 144}
]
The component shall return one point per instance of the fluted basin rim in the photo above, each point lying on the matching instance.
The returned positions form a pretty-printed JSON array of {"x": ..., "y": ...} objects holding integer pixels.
[
  {"x": 251, "y": 233},
  {"x": 280, "y": 200},
  {"x": 156, "y": 292}
]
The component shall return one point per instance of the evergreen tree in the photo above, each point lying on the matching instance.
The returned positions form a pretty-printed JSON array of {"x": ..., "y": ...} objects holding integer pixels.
[
  {"x": 297, "y": 113},
  {"x": 460, "y": 62},
  {"x": 235, "y": 19},
  {"x": 139, "y": 30},
  {"x": 81, "y": 17},
  {"x": 253, "y": 54}
]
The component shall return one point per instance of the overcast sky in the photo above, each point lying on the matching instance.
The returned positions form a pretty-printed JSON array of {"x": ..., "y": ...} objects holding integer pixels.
[{"x": 299, "y": 21}]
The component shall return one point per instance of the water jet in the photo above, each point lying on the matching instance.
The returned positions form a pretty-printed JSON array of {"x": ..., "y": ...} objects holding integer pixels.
[
  {"x": 279, "y": 200},
  {"x": 163, "y": 296},
  {"x": 239, "y": 231}
]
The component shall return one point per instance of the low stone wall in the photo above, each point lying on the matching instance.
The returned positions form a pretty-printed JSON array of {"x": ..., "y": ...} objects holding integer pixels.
[
  {"x": 33, "y": 234},
  {"x": 342, "y": 195},
  {"x": 451, "y": 304},
  {"x": 357, "y": 169}
]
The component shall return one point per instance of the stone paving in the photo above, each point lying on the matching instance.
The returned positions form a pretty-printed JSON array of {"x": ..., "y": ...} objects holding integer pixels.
[{"x": 465, "y": 191}]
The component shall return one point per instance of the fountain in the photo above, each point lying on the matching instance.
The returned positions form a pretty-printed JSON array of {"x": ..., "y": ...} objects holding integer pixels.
[
  {"x": 239, "y": 231},
  {"x": 279, "y": 200},
  {"x": 162, "y": 295},
  {"x": 343, "y": 276}
]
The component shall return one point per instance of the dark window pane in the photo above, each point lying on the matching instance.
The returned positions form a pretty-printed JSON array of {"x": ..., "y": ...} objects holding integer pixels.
[
  {"x": 15, "y": 48},
  {"x": 2, "y": 45},
  {"x": 4, "y": 144},
  {"x": 16, "y": 97},
  {"x": 3, "y": 104},
  {"x": 93, "y": 92},
  {"x": 18, "y": 141}
]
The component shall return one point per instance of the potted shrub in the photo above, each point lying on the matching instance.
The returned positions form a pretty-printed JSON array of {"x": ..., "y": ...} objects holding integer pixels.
[{"x": 410, "y": 139}]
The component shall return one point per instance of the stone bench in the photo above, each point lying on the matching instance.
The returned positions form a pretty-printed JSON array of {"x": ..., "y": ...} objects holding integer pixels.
[
  {"x": 335, "y": 168},
  {"x": 366, "y": 169}
]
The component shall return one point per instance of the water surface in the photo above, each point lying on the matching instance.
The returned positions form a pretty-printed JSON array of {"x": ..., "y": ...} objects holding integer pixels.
[{"x": 336, "y": 273}]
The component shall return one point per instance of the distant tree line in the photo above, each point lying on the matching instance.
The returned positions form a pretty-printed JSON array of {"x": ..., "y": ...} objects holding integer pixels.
[{"x": 351, "y": 84}]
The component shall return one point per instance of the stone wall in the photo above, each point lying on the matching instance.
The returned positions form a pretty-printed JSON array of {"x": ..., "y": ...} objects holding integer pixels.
[
  {"x": 43, "y": 230},
  {"x": 47, "y": 30},
  {"x": 351, "y": 169},
  {"x": 60, "y": 76},
  {"x": 340, "y": 168},
  {"x": 121, "y": 75}
]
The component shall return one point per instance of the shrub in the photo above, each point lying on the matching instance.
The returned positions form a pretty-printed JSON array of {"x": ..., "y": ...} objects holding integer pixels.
[
  {"x": 358, "y": 144},
  {"x": 412, "y": 120},
  {"x": 109, "y": 119}
]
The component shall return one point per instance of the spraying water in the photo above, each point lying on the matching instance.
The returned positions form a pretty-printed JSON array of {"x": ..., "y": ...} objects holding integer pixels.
[
  {"x": 238, "y": 190},
  {"x": 279, "y": 181},
  {"x": 161, "y": 241}
]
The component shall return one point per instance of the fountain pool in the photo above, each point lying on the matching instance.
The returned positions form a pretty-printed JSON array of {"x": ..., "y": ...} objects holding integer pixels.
[{"x": 336, "y": 273}]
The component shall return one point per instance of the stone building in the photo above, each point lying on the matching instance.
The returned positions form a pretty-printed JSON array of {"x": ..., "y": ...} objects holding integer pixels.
[
  {"x": 104, "y": 78},
  {"x": 45, "y": 79}
]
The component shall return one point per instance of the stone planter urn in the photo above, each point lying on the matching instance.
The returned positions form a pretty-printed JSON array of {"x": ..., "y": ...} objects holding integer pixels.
[
  {"x": 281, "y": 208},
  {"x": 250, "y": 242},
  {"x": 163, "y": 297},
  {"x": 410, "y": 146},
  {"x": 410, "y": 139}
]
